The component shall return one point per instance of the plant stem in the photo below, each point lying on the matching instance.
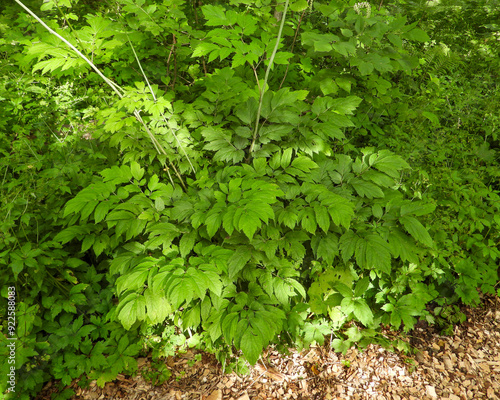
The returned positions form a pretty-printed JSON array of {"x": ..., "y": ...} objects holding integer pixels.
[{"x": 263, "y": 88}]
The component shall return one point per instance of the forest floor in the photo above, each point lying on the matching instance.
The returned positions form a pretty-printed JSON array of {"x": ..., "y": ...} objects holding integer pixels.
[{"x": 459, "y": 367}]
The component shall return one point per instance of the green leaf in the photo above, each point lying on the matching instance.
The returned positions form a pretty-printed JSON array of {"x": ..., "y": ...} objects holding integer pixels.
[
  {"x": 216, "y": 16},
  {"x": 238, "y": 260},
  {"x": 283, "y": 57},
  {"x": 157, "y": 306},
  {"x": 417, "y": 208},
  {"x": 378, "y": 255},
  {"x": 362, "y": 312},
  {"x": 120, "y": 215},
  {"x": 298, "y": 287},
  {"x": 381, "y": 64},
  {"x": 326, "y": 247},
  {"x": 88, "y": 209},
  {"x": 389, "y": 163},
  {"x": 101, "y": 211},
  {"x": 431, "y": 117},
  {"x": 402, "y": 246},
  {"x": 187, "y": 242},
  {"x": 315, "y": 332},
  {"x": 182, "y": 290},
  {"x": 299, "y": 5},
  {"x": 395, "y": 40},
  {"x": 74, "y": 205},
  {"x": 286, "y": 158},
  {"x": 249, "y": 222},
  {"x": 304, "y": 164},
  {"x": 348, "y": 244},
  {"x": 341, "y": 210},
  {"x": 322, "y": 217},
  {"x": 132, "y": 310},
  {"x": 417, "y": 34},
  {"x": 87, "y": 242},
  {"x": 154, "y": 183},
  {"x": 136, "y": 170},
  {"x": 251, "y": 345},
  {"x": 248, "y": 111},
  {"x": 288, "y": 218},
  {"x": 361, "y": 286},
  {"x": 366, "y": 189},
  {"x": 417, "y": 230},
  {"x": 229, "y": 326},
  {"x": 213, "y": 221},
  {"x": 308, "y": 221},
  {"x": 70, "y": 233}
]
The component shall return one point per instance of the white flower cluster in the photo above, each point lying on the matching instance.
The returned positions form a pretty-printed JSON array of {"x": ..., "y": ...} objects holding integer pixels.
[{"x": 364, "y": 4}]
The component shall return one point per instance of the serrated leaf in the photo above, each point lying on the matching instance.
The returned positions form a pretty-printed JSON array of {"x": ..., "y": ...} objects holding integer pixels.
[
  {"x": 286, "y": 158},
  {"x": 378, "y": 255},
  {"x": 346, "y": 105},
  {"x": 298, "y": 287},
  {"x": 417, "y": 208},
  {"x": 87, "y": 242},
  {"x": 389, "y": 163},
  {"x": 216, "y": 15},
  {"x": 238, "y": 260},
  {"x": 288, "y": 218},
  {"x": 348, "y": 243},
  {"x": 136, "y": 170},
  {"x": 299, "y": 5},
  {"x": 213, "y": 221},
  {"x": 417, "y": 230},
  {"x": 133, "y": 309},
  {"x": 401, "y": 246},
  {"x": 120, "y": 215},
  {"x": 74, "y": 205},
  {"x": 340, "y": 209},
  {"x": 366, "y": 189},
  {"x": 229, "y": 326},
  {"x": 304, "y": 164},
  {"x": 248, "y": 111},
  {"x": 70, "y": 233},
  {"x": 157, "y": 306},
  {"x": 322, "y": 217},
  {"x": 251, "y": 345},
  {"x": 431, "y": 117},
  {"x": 101, "y": 211},
  {"x": 417, "y": 34},
  {"x": 362, "y": 312},
  {"x": 248, "y": 222},
  {"x": 186, "y": 243},
  {"x": 326, "y": 247},
  {"x": 361, "y": 286},
  {"x": 308, "y": 221},
  {"x": 182, "y": 290},
  {"x": 283, "y": 57},
  {"x": 154, "y": 183}
]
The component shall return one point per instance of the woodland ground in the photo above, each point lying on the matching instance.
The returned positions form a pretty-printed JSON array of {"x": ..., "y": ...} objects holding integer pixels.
[{"x": 459, "y": 367}]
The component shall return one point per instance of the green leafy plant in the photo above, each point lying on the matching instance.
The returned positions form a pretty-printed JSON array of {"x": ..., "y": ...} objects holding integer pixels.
[
  {"x": 232, "y": 176},
  {"x": 157, "y": 373}
]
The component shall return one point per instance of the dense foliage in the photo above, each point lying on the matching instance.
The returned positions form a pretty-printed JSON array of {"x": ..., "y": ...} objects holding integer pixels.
[{"x": 239, "y": 174}]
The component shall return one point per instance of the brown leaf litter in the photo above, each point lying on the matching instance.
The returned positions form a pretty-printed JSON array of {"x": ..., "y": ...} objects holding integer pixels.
[{"x": 462, "y": 367}]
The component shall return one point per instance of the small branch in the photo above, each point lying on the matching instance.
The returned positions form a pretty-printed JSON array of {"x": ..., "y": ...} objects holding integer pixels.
[
  {"x": 263, "y": 89},
  {"x": 293, "y": 44}
]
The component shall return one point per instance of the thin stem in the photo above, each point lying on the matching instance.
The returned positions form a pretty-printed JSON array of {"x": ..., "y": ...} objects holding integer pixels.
[
  {"x": 293, "y": 44},
  {"x": 113, "y": 85},
  {"x": 263, "y": 89},
  {"x": 116, "y": 88},
  {"x": 155, "y": 100}
]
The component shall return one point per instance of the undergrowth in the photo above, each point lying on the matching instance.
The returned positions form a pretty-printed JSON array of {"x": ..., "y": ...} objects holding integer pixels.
[{"x": 235, "y": 175}]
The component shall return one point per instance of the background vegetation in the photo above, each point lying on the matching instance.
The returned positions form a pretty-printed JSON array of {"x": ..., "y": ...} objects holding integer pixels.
[{"x": 247, "y": 173}]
